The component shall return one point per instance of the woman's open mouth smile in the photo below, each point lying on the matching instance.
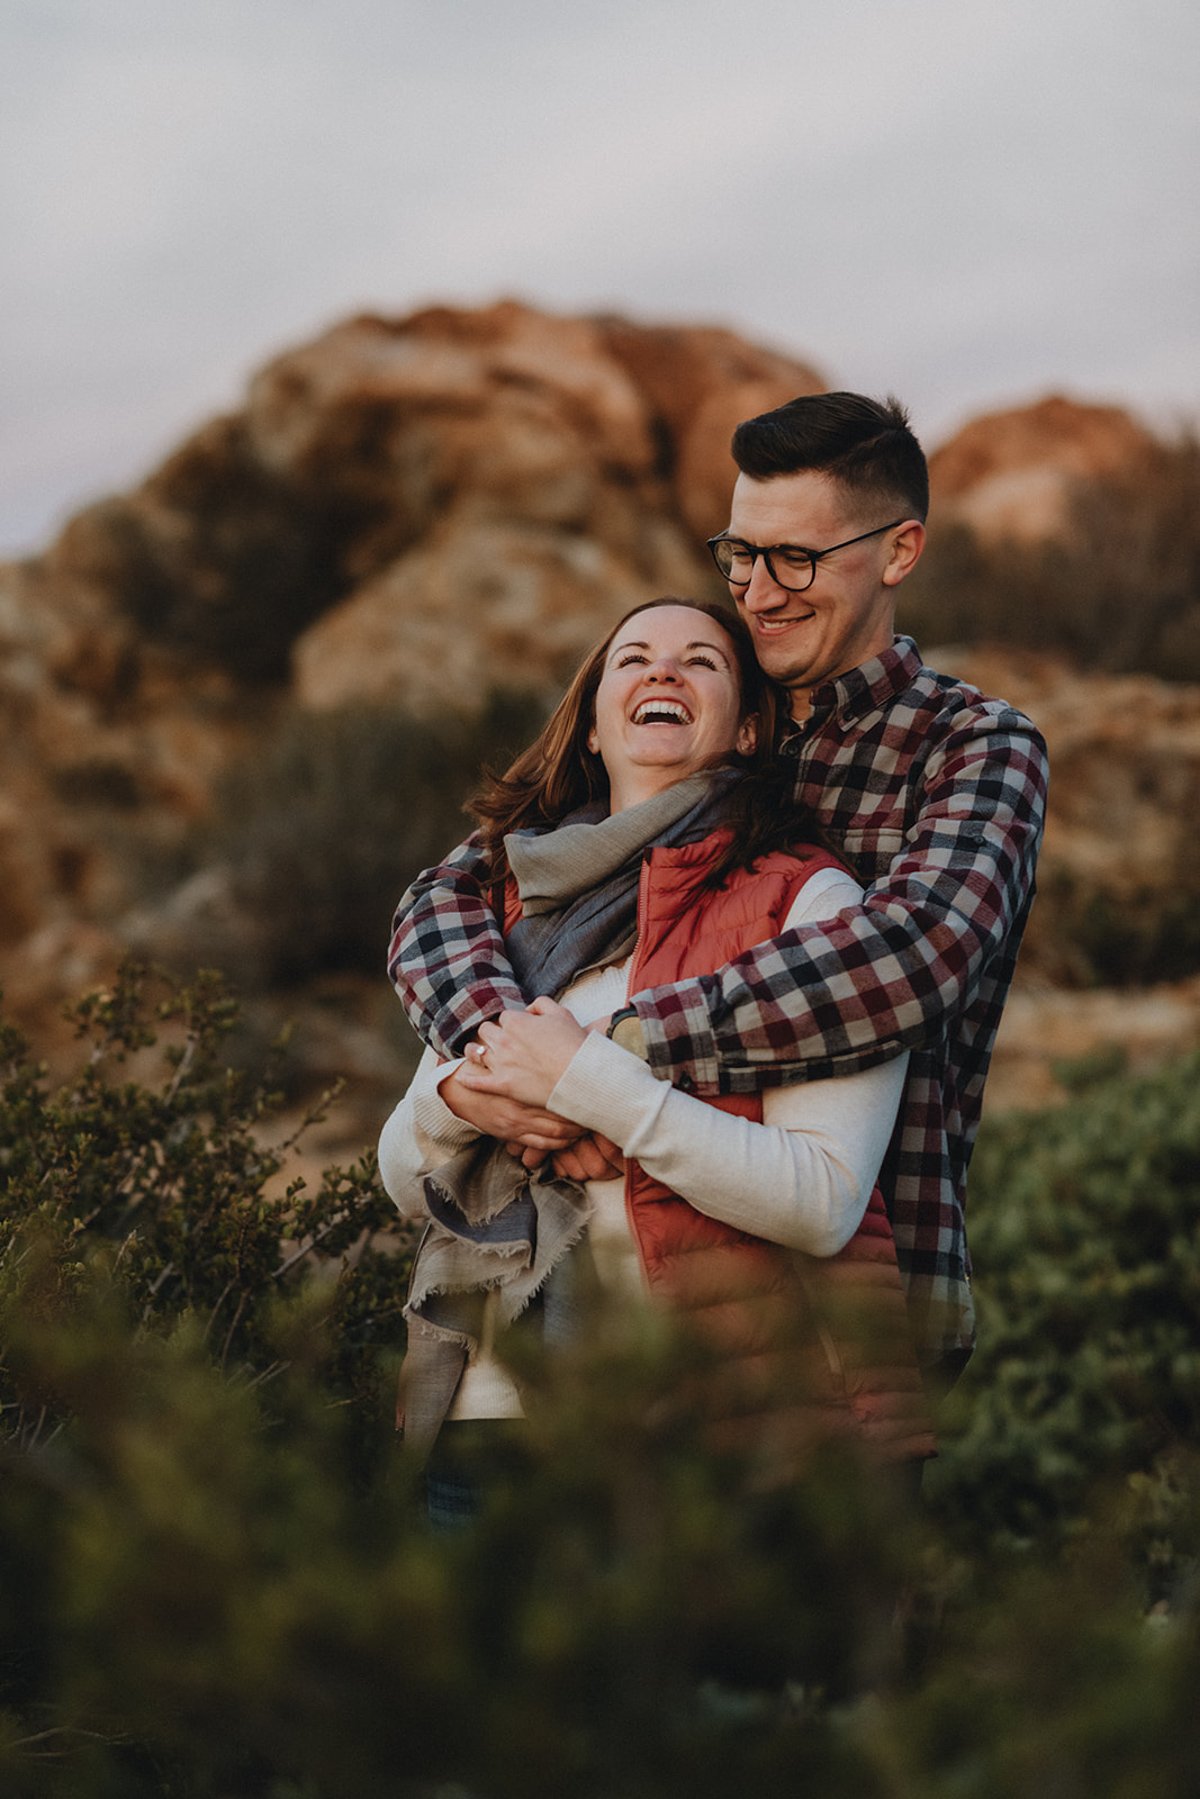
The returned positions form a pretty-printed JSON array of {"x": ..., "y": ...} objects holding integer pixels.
[{"x": 661, "y": 712}]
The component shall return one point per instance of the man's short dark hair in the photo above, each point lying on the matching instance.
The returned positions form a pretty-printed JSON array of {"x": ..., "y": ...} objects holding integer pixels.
[{"x": 865, "y": 444}]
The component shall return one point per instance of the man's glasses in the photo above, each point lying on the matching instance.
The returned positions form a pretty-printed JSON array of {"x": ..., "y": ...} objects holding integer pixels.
[{"x": 787, "y": 564}]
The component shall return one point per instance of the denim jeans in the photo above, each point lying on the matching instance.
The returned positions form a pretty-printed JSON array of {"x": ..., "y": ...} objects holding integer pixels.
[{"x": 463, "y": 1465}]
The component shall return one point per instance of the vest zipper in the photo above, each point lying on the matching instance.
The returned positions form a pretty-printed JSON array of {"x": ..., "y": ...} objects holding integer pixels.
[{"x": 635, "y": 967}]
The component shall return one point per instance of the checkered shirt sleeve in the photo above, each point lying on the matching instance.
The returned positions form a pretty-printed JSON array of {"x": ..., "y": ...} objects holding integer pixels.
[
  {"x": 886, "y": 975},
  {"x": 446, "y": 956}
]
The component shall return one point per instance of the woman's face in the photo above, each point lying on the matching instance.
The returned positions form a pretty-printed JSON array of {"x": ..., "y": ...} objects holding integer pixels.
[{"x": 669, "y": 701}]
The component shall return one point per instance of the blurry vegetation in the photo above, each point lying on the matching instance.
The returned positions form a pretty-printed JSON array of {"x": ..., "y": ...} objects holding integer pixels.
[
  {"x": 1089, "y": 937},
  {"x": 145, "y": 1173},
  {"x": 321, "y": 833},
  {"x": 217, "y": 1582},
  {"x": 1120, "y": 591},
  {"x": 1086, "y": 1232}
]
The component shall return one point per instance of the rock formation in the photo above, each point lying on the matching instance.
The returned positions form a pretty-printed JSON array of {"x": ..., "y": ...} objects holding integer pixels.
[
  {"x": 406, "y": 512},
  {"x": 1012, "y": 474},
  {"x": 1119, "y": 891},
  {"x": 415, "y": 513}
]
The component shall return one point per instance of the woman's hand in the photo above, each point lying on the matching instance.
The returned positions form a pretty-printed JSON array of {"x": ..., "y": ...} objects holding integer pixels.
[
  {"x": 524, "y": 1055},
  {"x": 530, "y": 1133}
]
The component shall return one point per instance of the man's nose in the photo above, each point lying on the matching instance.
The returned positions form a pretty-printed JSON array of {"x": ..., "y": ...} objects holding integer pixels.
[{"x": 763, "y": 593}]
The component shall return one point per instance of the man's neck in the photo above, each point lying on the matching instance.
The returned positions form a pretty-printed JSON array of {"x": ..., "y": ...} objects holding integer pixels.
[
  {"x": 800, "y": 699},
  {"x": 800, "y": 705}
]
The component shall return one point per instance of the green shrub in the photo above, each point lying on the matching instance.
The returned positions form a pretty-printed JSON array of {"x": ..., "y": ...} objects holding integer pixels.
[
  {"x": 1085, "y": 1235},
  {"x": 145, "y": 1170},
  {"x": 211, "y": 1590}
]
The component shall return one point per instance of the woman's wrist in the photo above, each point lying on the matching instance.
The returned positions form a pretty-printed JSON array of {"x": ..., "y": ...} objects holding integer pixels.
[
  {"x": 443, "y": 1111},
  {"x": 606, "y": 1089}
]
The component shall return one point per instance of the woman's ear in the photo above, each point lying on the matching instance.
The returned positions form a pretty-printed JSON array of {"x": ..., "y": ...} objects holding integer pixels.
[
  {"x": 747, "y": 737},
  {"x": 593, "y": 741}
]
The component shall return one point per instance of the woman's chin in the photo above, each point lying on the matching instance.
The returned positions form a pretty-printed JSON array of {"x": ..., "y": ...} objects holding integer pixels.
[{"x": 645, "y": 778}]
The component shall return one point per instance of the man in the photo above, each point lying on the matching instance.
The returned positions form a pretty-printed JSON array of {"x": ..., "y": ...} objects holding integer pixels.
[{"x": 934, "y": 793}]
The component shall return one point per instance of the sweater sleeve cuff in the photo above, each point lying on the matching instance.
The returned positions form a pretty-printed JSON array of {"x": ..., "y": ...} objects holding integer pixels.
[
  {"x": 433, "y": 1117},
  {"x": 607, "y": 1089}
]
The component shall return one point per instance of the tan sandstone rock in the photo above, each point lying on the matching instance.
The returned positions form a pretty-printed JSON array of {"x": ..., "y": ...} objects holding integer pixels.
[
  {"x": 413, "y": 511},
  {"x": 1012, "y": 474}
]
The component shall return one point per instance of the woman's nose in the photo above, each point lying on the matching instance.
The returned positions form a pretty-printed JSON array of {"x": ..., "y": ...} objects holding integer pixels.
[{"x": 665, "y": 669}]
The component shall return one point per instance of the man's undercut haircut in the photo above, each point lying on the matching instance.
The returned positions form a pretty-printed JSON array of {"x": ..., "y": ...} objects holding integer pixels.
[{"x": 864, "y": 444}]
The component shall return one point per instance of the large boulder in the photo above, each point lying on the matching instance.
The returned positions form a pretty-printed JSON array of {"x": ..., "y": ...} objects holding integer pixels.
[
  {"x": 414, "y": 512},
  {"x": 1107, "y": 970},
  {"x": 1013, "y": 474},
  {"x": 407, "y": 512}
]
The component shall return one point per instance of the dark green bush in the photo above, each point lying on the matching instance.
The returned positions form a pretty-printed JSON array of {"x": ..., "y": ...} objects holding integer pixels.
[
  {"x": 210, "y": 1588},
  {"x": 1086, "y": 1238},
  {"x": 1087, "y": 937}
]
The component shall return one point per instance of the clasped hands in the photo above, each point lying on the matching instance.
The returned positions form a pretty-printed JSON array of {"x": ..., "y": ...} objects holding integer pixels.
[{"x": 506, "y": 1080}]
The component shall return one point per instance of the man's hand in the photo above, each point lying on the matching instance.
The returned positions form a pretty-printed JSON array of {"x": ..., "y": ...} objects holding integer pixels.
[
  {"x": 592, "y": 1158},
  {"x": 522, "y": 1128}
]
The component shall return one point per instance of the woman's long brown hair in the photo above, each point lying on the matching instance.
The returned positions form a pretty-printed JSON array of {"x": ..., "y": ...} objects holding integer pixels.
[{"x": 558, "y": 773}]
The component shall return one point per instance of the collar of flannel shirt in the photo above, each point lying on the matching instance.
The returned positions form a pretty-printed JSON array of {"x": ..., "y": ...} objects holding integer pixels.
[{"x": 854, "y": 696}]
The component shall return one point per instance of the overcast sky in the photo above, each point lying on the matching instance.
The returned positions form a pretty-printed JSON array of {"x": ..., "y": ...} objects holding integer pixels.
[{"x": 968, "y": 203}]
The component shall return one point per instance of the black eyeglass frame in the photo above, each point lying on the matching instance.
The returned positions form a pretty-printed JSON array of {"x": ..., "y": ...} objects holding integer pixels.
[{"x": 766, "y": 551}]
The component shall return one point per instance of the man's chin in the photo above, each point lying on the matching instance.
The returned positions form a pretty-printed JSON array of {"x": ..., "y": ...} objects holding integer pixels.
[{"x": 781, "y": 664}]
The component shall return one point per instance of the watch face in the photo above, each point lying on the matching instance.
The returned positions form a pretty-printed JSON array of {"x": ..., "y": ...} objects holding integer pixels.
[{"x": 626, "y": 1031}]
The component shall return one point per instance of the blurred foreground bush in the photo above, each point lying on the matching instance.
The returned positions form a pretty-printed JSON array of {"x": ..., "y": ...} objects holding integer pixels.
[{"x": 217, "y": 1581}]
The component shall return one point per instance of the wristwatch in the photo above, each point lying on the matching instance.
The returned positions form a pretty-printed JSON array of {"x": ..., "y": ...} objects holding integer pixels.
[{"x": 625, "y": 1029}]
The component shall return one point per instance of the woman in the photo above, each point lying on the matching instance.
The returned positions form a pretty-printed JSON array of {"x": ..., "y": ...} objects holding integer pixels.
[{"x": 650, "y": 834}]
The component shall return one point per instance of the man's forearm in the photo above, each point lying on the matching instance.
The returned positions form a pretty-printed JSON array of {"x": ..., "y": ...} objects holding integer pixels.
[
  {"x": 446, "y": 957},
  {"x": 806, "y": 1005},
  {"x": 884, "y": 976}
]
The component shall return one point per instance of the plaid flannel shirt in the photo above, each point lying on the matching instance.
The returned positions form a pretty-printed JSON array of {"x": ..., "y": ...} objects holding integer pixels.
[{"x": 936, "y": 795}]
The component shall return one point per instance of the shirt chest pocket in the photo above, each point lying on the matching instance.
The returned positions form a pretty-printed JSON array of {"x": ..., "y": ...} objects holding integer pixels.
[{"x": 871, "y": 849}]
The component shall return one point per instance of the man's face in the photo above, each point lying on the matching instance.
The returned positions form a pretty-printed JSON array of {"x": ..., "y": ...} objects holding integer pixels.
[{"x": 848, "y": 614}]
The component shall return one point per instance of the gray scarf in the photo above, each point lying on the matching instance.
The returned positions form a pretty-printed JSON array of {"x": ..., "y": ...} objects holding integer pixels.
[{"x": 495, "y": 1226}]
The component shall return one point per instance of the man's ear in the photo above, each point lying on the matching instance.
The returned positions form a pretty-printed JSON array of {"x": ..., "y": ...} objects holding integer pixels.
[
  {"x": 747, "y": 737},
  {"x": 907, "y": 545}
]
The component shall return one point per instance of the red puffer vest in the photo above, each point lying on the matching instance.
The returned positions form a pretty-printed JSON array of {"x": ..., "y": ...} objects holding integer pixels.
[{"x": 809, "y": 1346}]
